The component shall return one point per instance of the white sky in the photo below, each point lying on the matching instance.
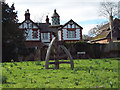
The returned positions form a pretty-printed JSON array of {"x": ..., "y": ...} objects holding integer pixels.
[{"x": 83, "y": 12}]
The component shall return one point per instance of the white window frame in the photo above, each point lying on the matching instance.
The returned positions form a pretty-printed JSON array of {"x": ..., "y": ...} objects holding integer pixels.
[
  {"x": 71, "y": 34},
  {"x": 45, "y": 36}
]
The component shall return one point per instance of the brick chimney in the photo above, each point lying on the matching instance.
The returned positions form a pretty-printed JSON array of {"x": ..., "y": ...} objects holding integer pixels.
[
  {"x": 119, "y": 9},
  {"x": 27, "y": 14},
  {"x": 111, "y": 24},
  {"x": 47, "y": 19}
]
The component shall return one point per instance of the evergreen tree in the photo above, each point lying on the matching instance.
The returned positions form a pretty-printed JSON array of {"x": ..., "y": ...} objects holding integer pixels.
[{"x": 12, "y": 37}]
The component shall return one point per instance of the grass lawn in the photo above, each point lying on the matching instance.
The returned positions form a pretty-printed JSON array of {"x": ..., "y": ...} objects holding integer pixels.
[{"x": 89, "y": 73}]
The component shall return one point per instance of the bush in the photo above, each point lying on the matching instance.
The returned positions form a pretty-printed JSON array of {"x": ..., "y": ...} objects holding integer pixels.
[{"x": 92, "y": 50}]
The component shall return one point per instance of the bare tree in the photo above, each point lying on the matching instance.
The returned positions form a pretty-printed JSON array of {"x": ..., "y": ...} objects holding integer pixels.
[
  {"x": 40, "y": 18},
  {"x": 96, "y": 30},
  {"x": 109, "y": 9},
  {"x": 93, "y": 32},
  {"x": 86, "y": 37}
]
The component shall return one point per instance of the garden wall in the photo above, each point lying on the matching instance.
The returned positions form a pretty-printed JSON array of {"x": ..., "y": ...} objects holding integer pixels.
[
  {"x": 88, "y": 51},
  {"x": 94, "y": 50}
]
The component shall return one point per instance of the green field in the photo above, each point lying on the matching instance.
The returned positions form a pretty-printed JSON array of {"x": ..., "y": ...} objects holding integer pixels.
[{"x": 89, "y": 73}]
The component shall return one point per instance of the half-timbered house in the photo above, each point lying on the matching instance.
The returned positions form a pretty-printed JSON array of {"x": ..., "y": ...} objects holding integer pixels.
[
  {"x": 70, "y": 31},
  {"x": 39, "y": 35},
  {"x": 40, "y": 32}
]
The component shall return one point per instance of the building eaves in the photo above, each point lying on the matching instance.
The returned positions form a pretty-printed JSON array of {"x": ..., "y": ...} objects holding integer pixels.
[{"x": 73, "y": 22}]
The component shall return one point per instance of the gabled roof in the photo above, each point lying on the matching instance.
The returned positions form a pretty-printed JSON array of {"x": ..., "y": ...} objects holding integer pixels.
[
  {"x": 30, "y": 21},
  {"x": 44, "y": 27},
  {"x": 106, "y": 32},
  {"x": 102, "y": 35},
  {"x": 73, "y": 22},
  {"x": 104, "y": 27}
]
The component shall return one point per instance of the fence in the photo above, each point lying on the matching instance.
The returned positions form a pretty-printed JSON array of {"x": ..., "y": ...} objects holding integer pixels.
[{"x": 94, "y": 50}]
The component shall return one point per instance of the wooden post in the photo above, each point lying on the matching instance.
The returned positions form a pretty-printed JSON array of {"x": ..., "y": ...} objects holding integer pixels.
[{"x": 111, "y": 26}]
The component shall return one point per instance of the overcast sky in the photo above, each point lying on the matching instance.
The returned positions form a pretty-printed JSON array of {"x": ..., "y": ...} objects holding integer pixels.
[{"x": 83, "y": 12}]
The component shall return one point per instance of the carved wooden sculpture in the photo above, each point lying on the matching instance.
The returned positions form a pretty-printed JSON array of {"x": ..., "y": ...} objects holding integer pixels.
[{"x": 57, "y": 47}]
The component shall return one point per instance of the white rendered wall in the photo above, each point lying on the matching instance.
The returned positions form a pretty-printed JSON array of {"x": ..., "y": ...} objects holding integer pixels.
[
  {"x": 65, "y": 26},
  {"x": 64, "y": 34},
  {"x": 69, "y": 26},
  {"x": 25, "y": 25},
  {"x": 21, "y": 26},
  {"x": 30, "y": 37},
  {"x": 77, "y": 35},
  {"x": 29, "y": 30},
  {"x": 35, "y": 27},
  {"x": 59, "y": 35}
]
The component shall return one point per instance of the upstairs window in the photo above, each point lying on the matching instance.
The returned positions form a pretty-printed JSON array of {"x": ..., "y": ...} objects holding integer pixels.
[
  {"x": 71, "y": 34},
  {"x": 35, "y": 34},
  {"x": 45, "y": 36}
]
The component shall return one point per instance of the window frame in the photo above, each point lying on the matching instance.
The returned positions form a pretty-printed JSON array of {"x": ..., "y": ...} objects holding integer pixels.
[
  {"x": 35, "y": 36},
  {"x": 45, "y": 36},
  {"x": 71, "y": 34}
]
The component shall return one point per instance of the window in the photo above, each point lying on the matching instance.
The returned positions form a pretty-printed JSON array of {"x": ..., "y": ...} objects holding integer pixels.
[
  {"x": 71, "y": 34},
  {"x": 45, "y": 36},
  {"x": 30, "y": 25},
  {"x": 35, "y": 34},
  {"x": 25, "y": 25}
]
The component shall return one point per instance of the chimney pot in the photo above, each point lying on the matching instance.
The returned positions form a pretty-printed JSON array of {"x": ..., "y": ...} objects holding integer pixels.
[
  {"x": 27, "y": 14},
  {"x": 47, "y": 19}
]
